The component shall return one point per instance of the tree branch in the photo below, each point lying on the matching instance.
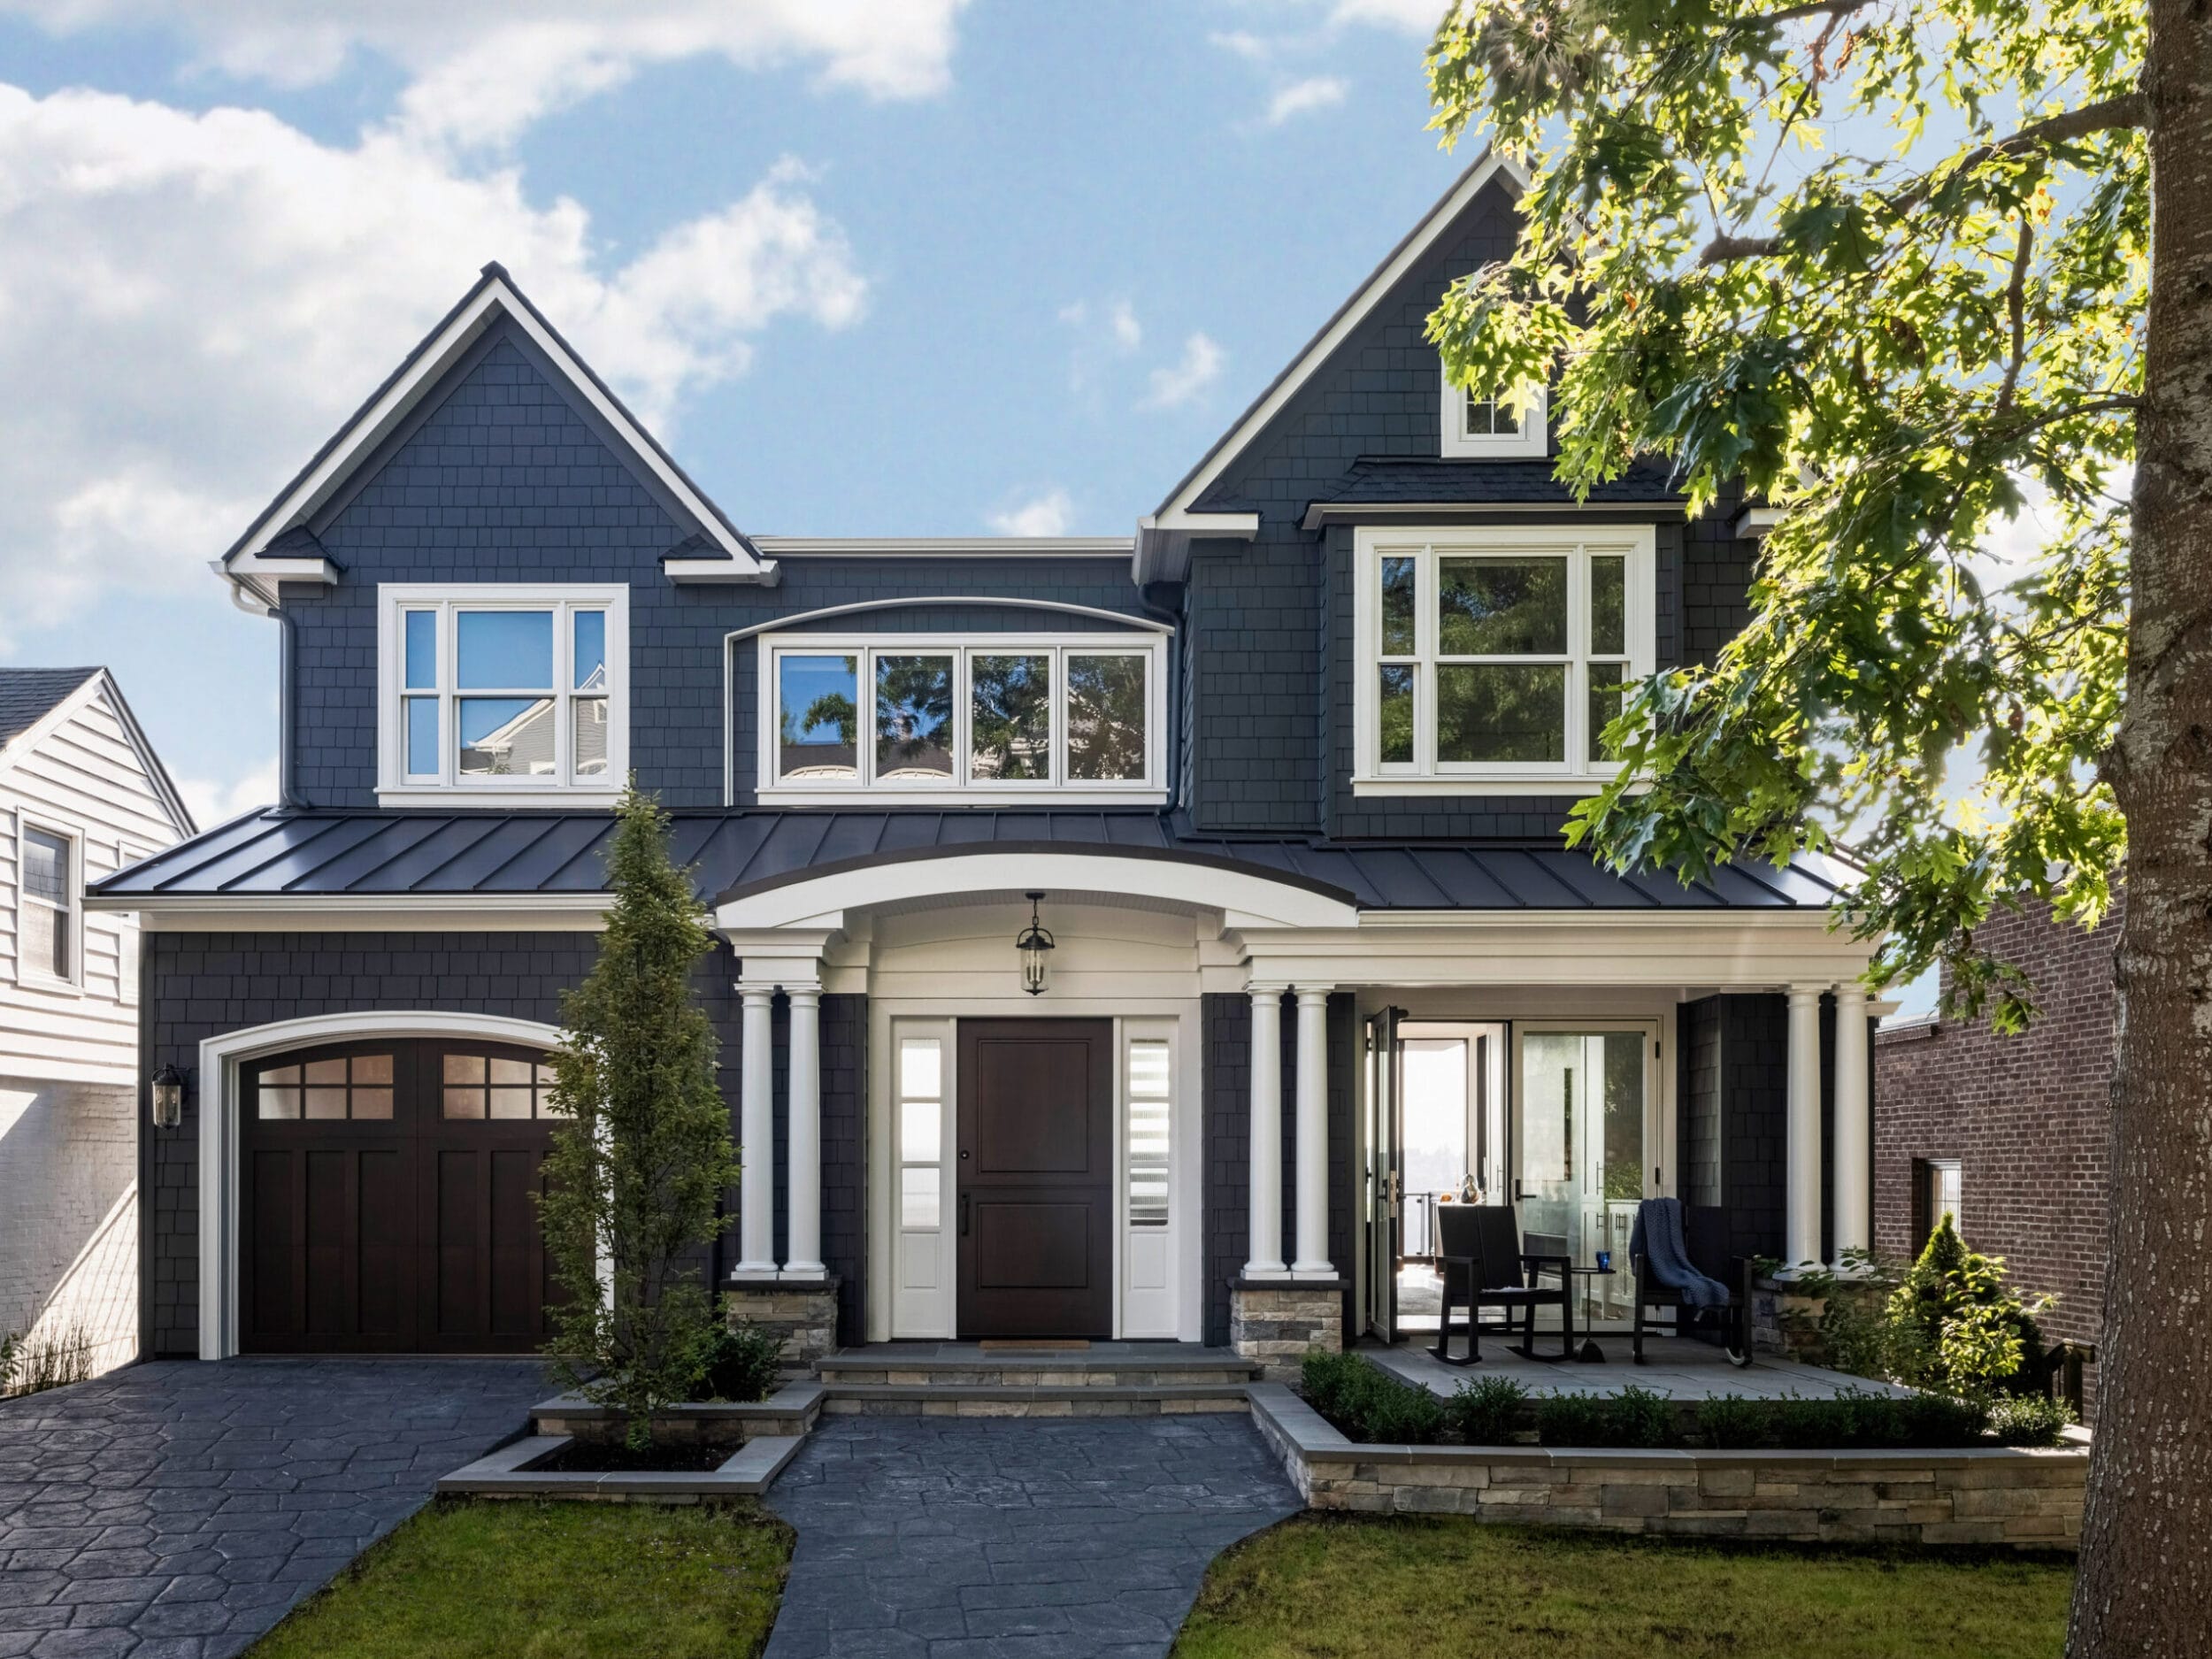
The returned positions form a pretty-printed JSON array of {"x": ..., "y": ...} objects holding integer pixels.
[
  {"x": 2016, "y": 308},
  {"x": 1793, "y": 14},
  {"x": 2095, "y": 406}
]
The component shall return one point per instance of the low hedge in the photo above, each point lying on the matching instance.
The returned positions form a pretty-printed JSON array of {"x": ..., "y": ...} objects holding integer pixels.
[{"x": 1367, "y": 1403}]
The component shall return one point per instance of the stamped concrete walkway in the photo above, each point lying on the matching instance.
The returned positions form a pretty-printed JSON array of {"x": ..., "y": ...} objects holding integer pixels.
[
  {"x": 178, "y": 1510},
  {"x": 1017, "y": 1538}
]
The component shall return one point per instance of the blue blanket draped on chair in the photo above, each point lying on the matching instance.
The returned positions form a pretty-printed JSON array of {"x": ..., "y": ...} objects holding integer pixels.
[{"x": 1658, "y": 1238}]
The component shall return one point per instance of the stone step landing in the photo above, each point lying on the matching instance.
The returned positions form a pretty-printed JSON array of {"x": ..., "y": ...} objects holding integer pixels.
[{"x": 964, "y": 1380}]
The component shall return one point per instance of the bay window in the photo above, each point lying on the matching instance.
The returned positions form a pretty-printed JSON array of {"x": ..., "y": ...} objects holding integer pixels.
[
  {"x": 503, "y": 691},
  {"x": 1495, "y": 657},
  {"x": 965, "y": 719}
]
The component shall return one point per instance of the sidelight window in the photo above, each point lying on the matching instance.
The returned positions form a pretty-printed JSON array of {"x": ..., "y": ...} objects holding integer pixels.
[
  {"x": 951, "y": 721},
  {"x": 503, "y": 690},
  {"x": 1496, "y": 656},
  {"x": 1147, "y": 1162}
]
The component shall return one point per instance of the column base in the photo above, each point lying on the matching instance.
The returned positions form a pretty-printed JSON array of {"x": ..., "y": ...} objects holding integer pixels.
[
  {"x": 803, "y": 1313},
  {"x": 1313, "y": 1272},
  {"x": 1277, "y": 1322}
]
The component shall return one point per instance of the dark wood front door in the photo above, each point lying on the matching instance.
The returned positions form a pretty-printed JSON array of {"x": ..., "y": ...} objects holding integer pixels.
[
  {"x": 1036, "y": 1177},
  {"x": 387, "y": 1203}
]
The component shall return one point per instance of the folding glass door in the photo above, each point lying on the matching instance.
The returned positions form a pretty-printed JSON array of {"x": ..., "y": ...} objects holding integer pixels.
[{"x": 1585, "y": 1104}]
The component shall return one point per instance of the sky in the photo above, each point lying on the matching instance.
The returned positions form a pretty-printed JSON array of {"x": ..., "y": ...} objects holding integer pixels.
[{"x": 865, "y": 266}]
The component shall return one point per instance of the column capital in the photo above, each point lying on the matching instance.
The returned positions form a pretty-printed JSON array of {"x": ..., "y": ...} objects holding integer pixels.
[
  {"x": 751, "y": 991},
  {"x": 1267, "y": 988},
  {"x": 1315, "y": 992},
  {"x": 1851, "y": 991},
  {"x": 1804, "y": 993},
  {"x": 811, "y": 994}
]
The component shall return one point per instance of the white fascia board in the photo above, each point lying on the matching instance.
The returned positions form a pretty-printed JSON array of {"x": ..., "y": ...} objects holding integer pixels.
[
  {"x": 451, "y": 912},
  {"x": 47, "y": 724},
  {"x": 1349, "y": 316},
  {"x": 910, "y": 602},
  {"x": 1199, "y": 886},
  {"x": 1327, "y": 512},
  {"x": 963, "y": 546},
  {"x": 1753, "y": 522},
  {"x": 99, "y": 684},
  {"x": 1162, "y": 550},
  {"x": 494, "y": 299}
]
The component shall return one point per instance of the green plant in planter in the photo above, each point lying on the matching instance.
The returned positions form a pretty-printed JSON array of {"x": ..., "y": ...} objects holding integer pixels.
[
  {"x": 739, "y": 1362},
  {"x": 1571, "y": 1420},
  {"x": 1956, "y": 1327},
  {"x": 1731, "y": 1422},
  {"x": 1369, "y": 1405},
  {"x": 1640, "y": 1418},
  {"x": 1487, "y": 1411},
  {"x": 2029, "y": 1420}
]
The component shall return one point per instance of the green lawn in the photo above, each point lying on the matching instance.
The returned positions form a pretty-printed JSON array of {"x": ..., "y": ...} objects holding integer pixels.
[
  {"x": 1417, "y": 1587},
  {"x": 522, "y": 1580}
]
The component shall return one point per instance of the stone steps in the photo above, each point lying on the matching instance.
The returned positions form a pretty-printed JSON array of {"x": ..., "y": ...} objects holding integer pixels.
[
  {"x": 954, "y": 1399},
  {"x": 1029, "y": 1373}
]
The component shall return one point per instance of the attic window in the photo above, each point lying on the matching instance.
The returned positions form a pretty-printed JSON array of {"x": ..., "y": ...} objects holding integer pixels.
[
  {"x": 502, "y": 693},
  {"x": 1477, "y": 428}
]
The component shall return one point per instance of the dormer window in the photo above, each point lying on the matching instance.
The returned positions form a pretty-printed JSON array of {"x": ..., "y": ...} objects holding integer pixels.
[
  {"x": 920, "y": 719},
  {"x": 1491, "y": 660},
  {"x": 1477, "y": 428},
  {"x": 503, "y": 695}
]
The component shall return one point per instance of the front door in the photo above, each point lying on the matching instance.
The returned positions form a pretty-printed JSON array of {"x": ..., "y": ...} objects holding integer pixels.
[{"x": 1036, "y": 1177}]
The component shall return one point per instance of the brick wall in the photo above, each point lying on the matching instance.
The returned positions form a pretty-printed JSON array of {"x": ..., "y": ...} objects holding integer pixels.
[
  {"x": 68, "y": 1216},
  {"x": 2027, "y": 1117}
]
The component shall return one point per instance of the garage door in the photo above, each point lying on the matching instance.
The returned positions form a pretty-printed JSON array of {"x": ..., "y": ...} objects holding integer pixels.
[{"x": 387, "y": 1203}]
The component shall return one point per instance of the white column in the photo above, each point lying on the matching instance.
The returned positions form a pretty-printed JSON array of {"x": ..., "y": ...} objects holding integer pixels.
[
  {"x": 1800, "y": 1213},
  {"x": 1855, "y": 1125},
  {"x": 1313, "y": 1136},
  {"x": 805, "y": 1196},
  {"x": 1266, "y": 1258},
  {"x": 756, "y": 1136}
]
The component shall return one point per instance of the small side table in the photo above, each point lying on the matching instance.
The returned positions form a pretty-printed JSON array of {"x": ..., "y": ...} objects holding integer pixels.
[{"x": 1589, "y": 1353}]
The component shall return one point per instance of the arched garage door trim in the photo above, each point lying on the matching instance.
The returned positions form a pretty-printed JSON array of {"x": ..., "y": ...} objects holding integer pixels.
[{"x": 220, "y": 1060}]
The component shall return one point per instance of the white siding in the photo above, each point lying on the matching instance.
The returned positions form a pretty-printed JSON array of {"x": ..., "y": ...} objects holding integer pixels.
[{"x": 85, "y": 779}]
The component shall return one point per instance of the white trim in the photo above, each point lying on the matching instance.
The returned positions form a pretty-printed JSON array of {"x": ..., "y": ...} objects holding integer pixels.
[
  {"x": 1533, "y": 442},
  {"x": 1401, "y": 260},
  {"x": 495, "y": 298},
  {"x": 447, "y": 601},
  {"x": 1753, "y": 522},
  {"x": 977, "y": 547},
  {"x": 30, "y": 979},
  {"x": 98, "y": 684},
  {"x": 342, "y": 913},
  {"x": 216, "y": 1083},
  {"x": 824, "y": 900},
  {"x": 1427, "y": 545},
  {"x": 906, "y": 601},
  {"x": 961, "y": 789},
  {"x": 1455, "y": 512}
]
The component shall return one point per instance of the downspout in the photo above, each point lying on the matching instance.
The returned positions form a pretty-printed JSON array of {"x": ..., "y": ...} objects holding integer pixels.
[
  {"x": 250, "y": 599},
  {"x": 1172, "y": 616}
]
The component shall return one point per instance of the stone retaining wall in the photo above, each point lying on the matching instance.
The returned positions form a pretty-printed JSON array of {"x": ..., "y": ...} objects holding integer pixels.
[{"x": 2001, "y": 1495}]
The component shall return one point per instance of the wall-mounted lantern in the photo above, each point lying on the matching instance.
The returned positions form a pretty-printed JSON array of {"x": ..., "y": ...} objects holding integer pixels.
[
  {"x": 1035, "y": 946},
  {"x": 168, "y": 1089}
]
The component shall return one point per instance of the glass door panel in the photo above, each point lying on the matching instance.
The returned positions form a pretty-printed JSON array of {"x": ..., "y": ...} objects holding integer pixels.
[
  {"x": 1385, "y": 1174},
  {"x": 1582, "y": 1100}
]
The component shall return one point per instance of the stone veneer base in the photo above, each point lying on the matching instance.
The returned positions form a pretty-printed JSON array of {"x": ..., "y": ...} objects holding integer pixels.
[
  {"x": 1994, "y": 1496},
  {"x": 790, "y": 1411},
  {"x": 1276, "y": 1322},
  {"x": 802, "y": 1312}
]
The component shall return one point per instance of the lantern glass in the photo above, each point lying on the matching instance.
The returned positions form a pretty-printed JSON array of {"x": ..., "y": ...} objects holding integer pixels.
[
  {"x": 1035, "y": 946},
  {"x": 168, "y": 1091}
]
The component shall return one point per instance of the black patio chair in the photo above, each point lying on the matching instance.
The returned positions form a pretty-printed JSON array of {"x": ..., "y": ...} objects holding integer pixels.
[
  {"x": 1480, "y": 1254},
  {"x": 1705, "y": 1238}
]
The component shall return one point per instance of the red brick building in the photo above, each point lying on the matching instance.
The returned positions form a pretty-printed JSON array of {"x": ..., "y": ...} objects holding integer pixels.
[{"x": 2017, "y": 1125}]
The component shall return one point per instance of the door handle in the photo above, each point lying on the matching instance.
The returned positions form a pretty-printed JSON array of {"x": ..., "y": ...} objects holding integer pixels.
[{"x": 963, "y": 1215}]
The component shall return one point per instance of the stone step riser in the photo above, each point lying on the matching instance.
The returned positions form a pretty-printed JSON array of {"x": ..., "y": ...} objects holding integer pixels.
[
  {"x": 877, "y": 1375},
  {"x": 837, "y": 1405}
]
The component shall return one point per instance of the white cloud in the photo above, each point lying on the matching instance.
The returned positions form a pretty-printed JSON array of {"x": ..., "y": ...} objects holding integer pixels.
[
  {"x": 481, "y": 73},
  {"x": 1303, "y": 97},
  {"x": 212, "y": 801},
  {"x": 190, "y": 303},
  {"x": 1049, "y": 513},
  {"x": 1185, "y": 379},
  {"x": 1128, "y": 333}
]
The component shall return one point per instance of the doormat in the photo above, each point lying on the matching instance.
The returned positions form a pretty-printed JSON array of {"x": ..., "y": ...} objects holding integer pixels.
[{"x": 1014, "y": 1345}]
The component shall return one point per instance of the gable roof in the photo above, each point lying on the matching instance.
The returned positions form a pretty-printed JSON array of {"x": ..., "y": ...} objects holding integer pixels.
[
  {"x": 275, "y": 546},
  {"x": 1163, "y": 534},
  {"x": 34, "y": 701}
]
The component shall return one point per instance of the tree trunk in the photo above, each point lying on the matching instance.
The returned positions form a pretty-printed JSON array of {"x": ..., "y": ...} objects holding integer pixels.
[{"x": 2145, "y": 1587}]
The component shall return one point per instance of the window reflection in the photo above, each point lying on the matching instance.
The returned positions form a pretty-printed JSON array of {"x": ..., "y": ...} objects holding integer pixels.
[{"x": 818, "y": 717}]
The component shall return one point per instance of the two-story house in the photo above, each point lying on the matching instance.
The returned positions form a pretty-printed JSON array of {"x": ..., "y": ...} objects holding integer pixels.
[
  {"x": 82, "y": 795},
  {"x": 1282, "y": 774}
]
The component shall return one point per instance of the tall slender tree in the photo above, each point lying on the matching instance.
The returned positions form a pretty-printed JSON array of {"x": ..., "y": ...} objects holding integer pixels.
[
  {"x": 638, "y": 1168},
  {"x": 1905, "y": 270}
]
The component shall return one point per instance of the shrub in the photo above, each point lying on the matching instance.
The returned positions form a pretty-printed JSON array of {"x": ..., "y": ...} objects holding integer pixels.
[
  {"x": 738, "y": 1363},
  {"x": 1571, "y": 1420},
  {"x": 1940, "y": 1420},
  {"x": 1954, "y": 1325},
  {"x": 1640, "y": 1418},
  {"x": 1368, "y": 1403},
  {"x": 1487, "y": 1411},
  {"x": 2029, "y": 1420},
  {"x": 1731, "y": 1422}
]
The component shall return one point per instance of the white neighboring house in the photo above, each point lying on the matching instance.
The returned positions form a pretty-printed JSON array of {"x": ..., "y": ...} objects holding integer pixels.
[{"x": 82, "y": 795}]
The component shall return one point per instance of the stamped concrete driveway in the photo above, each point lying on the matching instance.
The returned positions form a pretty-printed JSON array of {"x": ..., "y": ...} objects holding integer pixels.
[
  {"x": 178, "y": 1510},
  {"x": 946, "y": 1538}
]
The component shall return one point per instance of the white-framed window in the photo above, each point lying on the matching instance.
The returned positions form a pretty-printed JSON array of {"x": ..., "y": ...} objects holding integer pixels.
[
  {"x": 503, "y": 691},
  {"x": 49, "y": 920},
  {"x": 1491, "y": 659},
  {"x": 962, "y": 720},
  {"x": 1476, "y": 427}
]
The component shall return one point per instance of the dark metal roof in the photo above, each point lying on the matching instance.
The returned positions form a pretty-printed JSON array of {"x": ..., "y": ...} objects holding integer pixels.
[
  {"x": 27, "y": 696},
  {"x": 326, "y": 854},
  {"x": 1381, "y": 480}
]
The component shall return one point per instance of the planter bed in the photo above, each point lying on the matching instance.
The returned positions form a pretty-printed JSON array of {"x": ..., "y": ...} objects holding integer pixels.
[
  {"x": 517, "y": 1470},
  {"x": 2001, "y": 1495},
  {"x": 792, "y": 1409}
]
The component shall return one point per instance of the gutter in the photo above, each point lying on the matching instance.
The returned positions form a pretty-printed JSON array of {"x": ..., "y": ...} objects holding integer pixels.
[{"x": 254, "y": 600}]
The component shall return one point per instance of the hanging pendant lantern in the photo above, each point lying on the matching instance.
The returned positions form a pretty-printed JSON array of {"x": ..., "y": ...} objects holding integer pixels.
[{"x": 1035, "y": 946}]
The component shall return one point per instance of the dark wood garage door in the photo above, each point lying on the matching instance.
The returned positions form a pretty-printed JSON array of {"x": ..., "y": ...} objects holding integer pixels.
[
  {"x": 387, "y": 1199},
  {"x": 1036, "y": 1177}
]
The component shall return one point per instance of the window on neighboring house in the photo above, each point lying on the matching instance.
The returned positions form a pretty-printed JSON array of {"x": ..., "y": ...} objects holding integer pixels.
[
  {"x": 1478, "y": 426},
  {"x": 1491, "y": 657},
  {"x": 46, "y": 904},
  {"x": 1939, "y": 1189},
  {"x": 503, "y": 690},
  {"x": 961, "y": 719}
]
